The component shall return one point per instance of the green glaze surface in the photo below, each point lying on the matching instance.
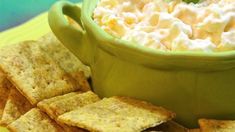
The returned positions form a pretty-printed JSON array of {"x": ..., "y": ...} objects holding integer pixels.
[{"x": 192, "y": 84}]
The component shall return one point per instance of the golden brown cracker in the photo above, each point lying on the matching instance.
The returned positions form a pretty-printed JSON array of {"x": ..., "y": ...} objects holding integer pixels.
[
  {"x": 80, "y": 81},
  {"x": 4, "y": 91},
  {"x": 61, "y": 104},
  {"x": 211, "y": 125},
  {"x": 44, "y": 105},
  {"x": 34, "y": 121},
  {"x": 117, "y": 114},
  {"x": 67, "y": 61},
  {"x": 16, "y": 106},
  {"x": 34, "y": 73}
]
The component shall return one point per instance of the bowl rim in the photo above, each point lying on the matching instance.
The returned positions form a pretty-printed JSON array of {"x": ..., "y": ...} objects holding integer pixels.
[{"x": 123, "y": 49}]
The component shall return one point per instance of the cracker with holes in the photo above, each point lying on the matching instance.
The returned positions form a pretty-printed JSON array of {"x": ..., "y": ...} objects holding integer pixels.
[
  {"x": 211, "y": 125},
  {"x": 67, "y": 61},
  {"x": 34, "y": 121},
  {"x": 16, "y": 106},
  {"x": 59, "y": 105},
  {"x": 4, "y": 91},
  {"x": 117, "y": 114},
  {"x": 37, "y": 75}
]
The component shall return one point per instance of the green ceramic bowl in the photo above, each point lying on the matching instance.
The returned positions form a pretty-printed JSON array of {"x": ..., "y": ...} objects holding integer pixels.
[{"x": 192, "y": 84}]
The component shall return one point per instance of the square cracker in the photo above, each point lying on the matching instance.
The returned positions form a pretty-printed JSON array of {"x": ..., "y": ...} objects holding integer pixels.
[
  {"x": 67, "y": 61},
  {"x": 4, "y": 91},
  {"x": 117, "y": 114},
  {"x": 16, "y": 106},
  {"x": 65, "y": 103},
  {"x": 211, "y": 125},
  {"x": 59, "y": 105},
  {"x": 35, "y": 74},
  {"x": 34, "y": 121}
]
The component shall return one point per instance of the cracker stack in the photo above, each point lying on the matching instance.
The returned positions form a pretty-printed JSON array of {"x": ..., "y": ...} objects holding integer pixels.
[
  {"x": 35, "y": 74},
  {"x": 14, "y": 103},
  {"x": 43, "y": 87},
  {"x": 31, "y": 72},
  {"x": 59, "y": 105}
]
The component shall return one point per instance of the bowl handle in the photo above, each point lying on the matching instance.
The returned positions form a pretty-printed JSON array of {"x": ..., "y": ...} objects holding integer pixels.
[{"x": 73, "y": 36}]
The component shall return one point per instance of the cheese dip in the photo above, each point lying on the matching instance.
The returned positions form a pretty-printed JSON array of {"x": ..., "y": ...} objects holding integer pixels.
[{"x": 170, "y": 26}]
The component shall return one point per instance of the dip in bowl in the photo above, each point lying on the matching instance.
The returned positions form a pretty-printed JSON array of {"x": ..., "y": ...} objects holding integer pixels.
[{"x": 192, "y": 83}]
